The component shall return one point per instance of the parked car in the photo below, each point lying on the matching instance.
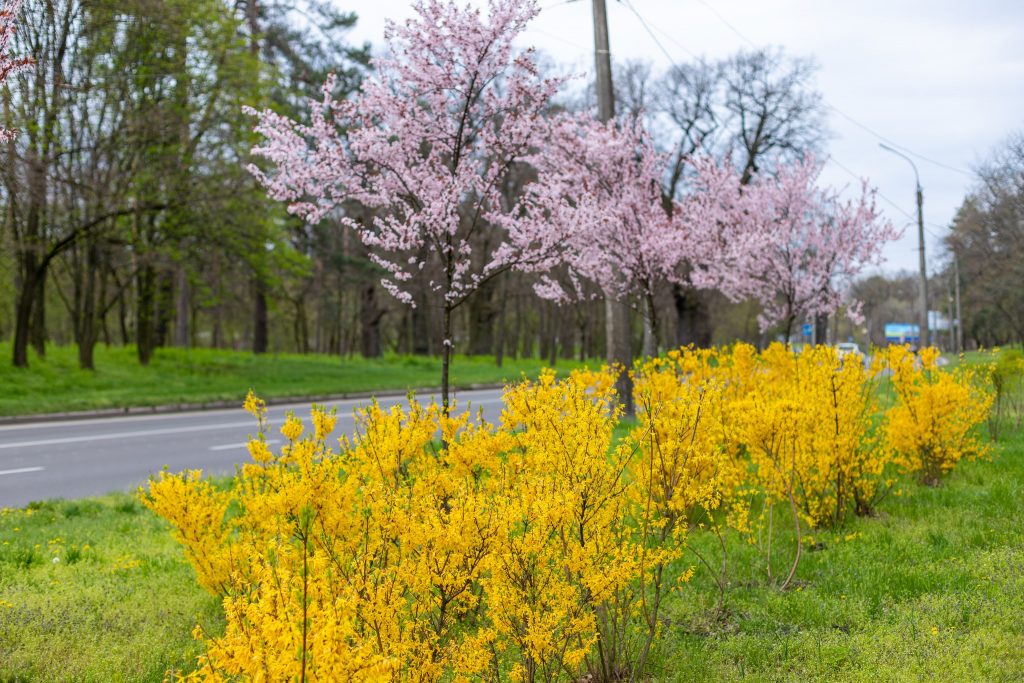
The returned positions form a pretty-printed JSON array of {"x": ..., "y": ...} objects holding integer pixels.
[
  {"x": 851, "y": 350},
  {"x": 846, "y": 348}
]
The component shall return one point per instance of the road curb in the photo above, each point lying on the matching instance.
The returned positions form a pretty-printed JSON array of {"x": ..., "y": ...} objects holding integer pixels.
[{"x": 221, "y": 405}]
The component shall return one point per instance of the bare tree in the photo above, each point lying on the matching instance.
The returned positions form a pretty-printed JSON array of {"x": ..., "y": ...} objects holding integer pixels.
[
  {"x": 988, "y": 240},
  {"x": 775, "y": 112}
]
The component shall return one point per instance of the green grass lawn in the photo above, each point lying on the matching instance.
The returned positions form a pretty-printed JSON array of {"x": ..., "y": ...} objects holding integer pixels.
[
  {"x": 55, "y": 384},
  {"x": 95, "y": 590},
  {"x": 930, "y": 589}
]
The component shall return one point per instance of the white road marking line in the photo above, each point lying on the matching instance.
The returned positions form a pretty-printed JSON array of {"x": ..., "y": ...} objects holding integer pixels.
[
  {"x": 233, "y": 446},
  {"x": 124, "y": 435},
  {"x": 21, "y": 470},
  {"x": 284, "y": 407}
]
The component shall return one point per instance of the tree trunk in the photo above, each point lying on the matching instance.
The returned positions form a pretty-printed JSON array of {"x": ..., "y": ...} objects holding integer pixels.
[
  {"x": 517, "y": 331},
  {"x": 146, "y": 302},
  {"x": 370, "y": 315},
  {"x": 421, "y": 328},
  {"x": 693, "y": 324},
  {"x": 821, "y": 329},
  {"x": 164, "y": 307},
  {"x": 544, "y": 336},
  {"x": 482, "y": 315},
  {"x": 788, "y": 328},
  {"x": 182, "y": 308},
  {"x": 23, "y": 315},
  {"x": 567, "y": 331},
  {"x": 86, "y": 332},
  {"x": 301, "y": 327},
  {"x": 619, "y": 336},
  {"x": 38, "y": 333},
  {"x": 553, "y": 334},
  {"x": 500, "y": 342},
  {"x": 259, "y": 317},
  {"x": 446, "y": 356},
  {"x": 122, "y": 315},
  {"x": 652, "y": 327}
]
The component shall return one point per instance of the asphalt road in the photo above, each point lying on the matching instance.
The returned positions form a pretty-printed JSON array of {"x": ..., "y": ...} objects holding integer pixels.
[{"x": 77, "y": 458}]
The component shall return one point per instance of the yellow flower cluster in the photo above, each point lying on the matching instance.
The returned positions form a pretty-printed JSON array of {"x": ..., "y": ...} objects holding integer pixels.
[
  {"x": 803, "y": 427},
  {"x": 931, "y": 424},
  {"x": 436, "y": 546},
  {"x": 433, "y": 547},
  {"x": 782, "y": 426}
]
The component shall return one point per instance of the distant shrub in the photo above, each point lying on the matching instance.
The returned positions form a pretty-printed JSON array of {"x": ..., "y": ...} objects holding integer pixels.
[{"x": 933, "y": 423}]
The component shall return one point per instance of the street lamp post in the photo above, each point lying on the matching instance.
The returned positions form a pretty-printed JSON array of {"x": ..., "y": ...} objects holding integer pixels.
[{"x": 923, "y": 338}]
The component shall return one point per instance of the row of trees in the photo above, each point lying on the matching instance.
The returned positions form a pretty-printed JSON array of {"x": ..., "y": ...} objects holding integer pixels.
[
  {"x": 986, "y": 249},
  {"x": 464, "y": 171},
  {"x": 125, "y": 200},
  {"x": 126, "y": 204}
]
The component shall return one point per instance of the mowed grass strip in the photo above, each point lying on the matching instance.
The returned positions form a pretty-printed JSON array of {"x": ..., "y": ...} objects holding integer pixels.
[
  {"x": 96, "y": 590},
  {"x": 930, "y": 589},
  {"x": 176, "y": 376}
]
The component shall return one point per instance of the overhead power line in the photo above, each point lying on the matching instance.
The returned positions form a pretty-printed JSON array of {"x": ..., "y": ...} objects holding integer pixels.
[
  {"x": 828, "y": 104},
  {"x": 643, "y": 22}
]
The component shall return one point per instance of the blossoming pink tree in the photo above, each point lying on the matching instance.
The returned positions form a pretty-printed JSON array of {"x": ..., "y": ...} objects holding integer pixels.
[
  {"x": 9, "y": 65},
  {"x": 801, "y": 245},
  {"x": 602, "y": 188},
  {"x": 428, "y": 144}
]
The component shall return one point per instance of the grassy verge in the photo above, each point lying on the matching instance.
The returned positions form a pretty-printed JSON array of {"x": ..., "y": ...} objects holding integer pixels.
[
  {"x": 931, "y": 589},
  {"x": 95, "y": 590},
  {"x": 55, "y": 384}
]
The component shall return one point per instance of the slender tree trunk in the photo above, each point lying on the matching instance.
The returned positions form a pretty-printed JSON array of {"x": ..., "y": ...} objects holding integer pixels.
[
  {"x": 482, "y": 315},
  {"x": 164, "y": 308},
  {"x": 566, "y": 331},
  {"x": 182, "y": 308},
  {"x": 87, "y": 316},
  {"x": 499, "y": 349},
  {"x": 38, "y": 333},
  {"x": 821, "y": 329},
  {"x": 517, "y": 329},
  {"x": 146, "y": 302},
  {"x": 259, "y": 317},
  {"x": 370, "y": 315},
  {"x": 542, "y": 324},
  {"x": 693, "y": 320},
  {"x": 446, "y": 356},
  {"x": 420, "y": 328},
  {"x": 553, "y": 333},
  {"x": 650, "y": 345},
  {"x": 788, "y": 327},
  {"x": 23, "y": 313},
  {"x": 301, "y": 329},
  {"x": 122, "y": 315},
  {"x": 619, "y": 335}
]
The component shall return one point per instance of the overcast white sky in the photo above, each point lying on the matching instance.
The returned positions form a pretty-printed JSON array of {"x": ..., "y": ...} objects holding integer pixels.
[{"x": 943, "y": 78}]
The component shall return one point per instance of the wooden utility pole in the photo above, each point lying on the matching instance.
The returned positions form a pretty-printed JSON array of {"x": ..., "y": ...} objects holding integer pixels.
[
  {"x": 618, "y": 332},
  {"x": 956, "y": 296}
]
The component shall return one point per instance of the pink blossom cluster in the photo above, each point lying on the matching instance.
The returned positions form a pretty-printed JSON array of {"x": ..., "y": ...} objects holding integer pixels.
[
  {"x": 9, "y": 65},
  {"x": 429, "y": 144},
  {"x": 804, "y": 244},
  {"x": 601, "y": 187}
]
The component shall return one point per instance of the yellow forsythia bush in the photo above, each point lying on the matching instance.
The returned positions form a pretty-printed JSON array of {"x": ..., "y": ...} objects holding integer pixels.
[
  {"x": 440, "y": 547},
  {"x": 789, "y": 426},
  {"x": 932, "y": 424},
  {"x": 530, "y": 548}
]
